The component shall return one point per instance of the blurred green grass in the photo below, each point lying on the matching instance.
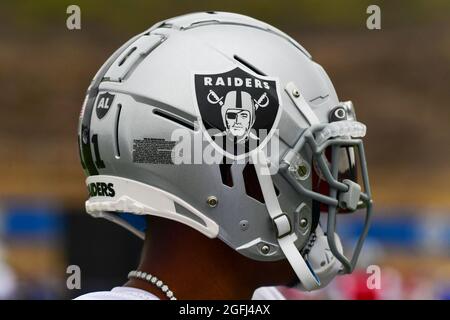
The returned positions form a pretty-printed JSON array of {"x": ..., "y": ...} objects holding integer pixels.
[{"x": 126, "y": 16}]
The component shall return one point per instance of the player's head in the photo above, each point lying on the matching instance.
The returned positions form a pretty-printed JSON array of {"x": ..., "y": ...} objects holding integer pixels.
[{"x": 126, "y": 147}]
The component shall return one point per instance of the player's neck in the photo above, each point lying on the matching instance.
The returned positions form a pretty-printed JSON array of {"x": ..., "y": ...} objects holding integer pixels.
[
  {"x": 191, "y": 269},
  {"x": 194, "y": 267}
]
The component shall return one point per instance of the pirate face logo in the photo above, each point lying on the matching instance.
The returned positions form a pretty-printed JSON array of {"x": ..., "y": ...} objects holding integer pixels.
[
  {"x": 238, "y": 119},
  {"x": 239, "y": 107},
  {"x": 238, "y": 122}
]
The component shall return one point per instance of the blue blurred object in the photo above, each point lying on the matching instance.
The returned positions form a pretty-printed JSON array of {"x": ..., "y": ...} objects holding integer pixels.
[
  {"x": 398, "y": 231},
  {"x": 137, "y": 221},
  {"x": 32, "y": 219},
  {"x": 414, "y": 230}
]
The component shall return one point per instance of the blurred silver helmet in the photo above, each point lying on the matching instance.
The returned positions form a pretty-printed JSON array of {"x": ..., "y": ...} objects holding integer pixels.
[{"x": 284, "y": 147}]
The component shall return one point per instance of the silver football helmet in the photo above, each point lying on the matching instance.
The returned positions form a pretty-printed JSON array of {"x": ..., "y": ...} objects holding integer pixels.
[{"x": 284, "y": 147}]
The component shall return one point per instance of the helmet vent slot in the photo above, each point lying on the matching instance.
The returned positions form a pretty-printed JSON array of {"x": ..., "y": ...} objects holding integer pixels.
[
  {"x": 126, "y": 56},
  {"x": 173, "y": 118},
  {"x": 116, "y": 131},
  {"x": 248, "y": 65},
  {"x": 225, "y": 172}
]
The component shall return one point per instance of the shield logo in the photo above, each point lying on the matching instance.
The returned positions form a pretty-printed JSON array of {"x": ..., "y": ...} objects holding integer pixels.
[
  {"x": 238, "y": 110},
  {"x": 104, "y": 103}
]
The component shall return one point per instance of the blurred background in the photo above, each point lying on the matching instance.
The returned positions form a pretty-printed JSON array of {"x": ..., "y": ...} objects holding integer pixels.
[{"x": 398, "y": 79}]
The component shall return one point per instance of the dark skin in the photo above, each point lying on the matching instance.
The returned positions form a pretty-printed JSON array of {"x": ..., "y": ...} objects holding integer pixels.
[{"x": 196, "y": 267}]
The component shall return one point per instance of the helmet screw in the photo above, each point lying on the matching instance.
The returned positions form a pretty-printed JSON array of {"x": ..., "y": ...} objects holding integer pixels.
[
  {"x": 302, "y": 170},
  {"x": 303, "y": 223},
  {"x": 265, "y": 249},
  {"x": 243, "y": 224},
  {"x": 296, "y": 93},
  {"x": 212, "y": 201}
]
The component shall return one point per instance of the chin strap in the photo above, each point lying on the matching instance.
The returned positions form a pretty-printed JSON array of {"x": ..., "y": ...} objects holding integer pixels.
[{"x": 285, "y": 235}]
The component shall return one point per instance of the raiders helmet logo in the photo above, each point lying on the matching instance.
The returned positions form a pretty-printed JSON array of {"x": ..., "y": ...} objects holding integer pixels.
[
  {"x": 104, "y": 103},
  {"x": 237, "y": 107}
]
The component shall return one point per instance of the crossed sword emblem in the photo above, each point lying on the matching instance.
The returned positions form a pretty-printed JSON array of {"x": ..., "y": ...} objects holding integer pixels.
[{"x": 262, "y": 102}]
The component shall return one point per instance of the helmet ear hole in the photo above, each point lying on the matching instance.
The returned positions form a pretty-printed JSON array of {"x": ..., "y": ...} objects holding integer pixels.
[
  {"x": 252, "y": 186},
  {"x": 225, "y": 173},
  {"x": 251, "y": 182}
]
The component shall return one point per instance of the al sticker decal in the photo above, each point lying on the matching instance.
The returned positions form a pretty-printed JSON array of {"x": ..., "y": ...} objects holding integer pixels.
[
  {"x": 238, "y": 110},
  {"x": 104, "y": 103}
]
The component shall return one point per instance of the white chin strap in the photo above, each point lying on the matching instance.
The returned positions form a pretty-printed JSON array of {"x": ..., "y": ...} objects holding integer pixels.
[{"x": 286, "y": 237}]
